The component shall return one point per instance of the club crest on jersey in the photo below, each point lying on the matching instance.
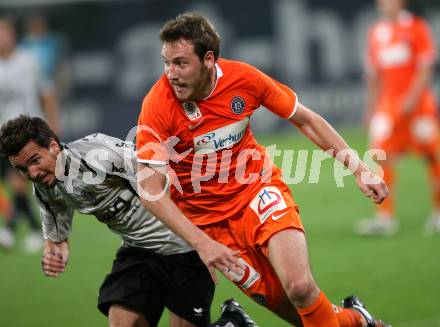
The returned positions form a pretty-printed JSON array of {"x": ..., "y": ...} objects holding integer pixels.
[
  {"x": 268, "y": 201},
  {"x": 191, "y": 110},
  {"x": 237, "y": 105}
]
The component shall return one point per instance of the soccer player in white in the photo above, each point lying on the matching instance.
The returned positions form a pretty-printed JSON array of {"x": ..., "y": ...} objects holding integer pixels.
[
  {"x": 23, "y": 90},
  {"x": 95, "y": 175}
]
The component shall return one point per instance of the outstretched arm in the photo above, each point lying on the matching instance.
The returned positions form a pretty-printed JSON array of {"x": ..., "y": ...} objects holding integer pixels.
[
  {"x": 214, "y": 254},
  {"x": 319, "y": 131}
]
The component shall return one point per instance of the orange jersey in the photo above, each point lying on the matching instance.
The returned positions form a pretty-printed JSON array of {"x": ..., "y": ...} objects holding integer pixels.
[
  {"x": 215, "y": 162},
  {"x": 395, "y": 51}
]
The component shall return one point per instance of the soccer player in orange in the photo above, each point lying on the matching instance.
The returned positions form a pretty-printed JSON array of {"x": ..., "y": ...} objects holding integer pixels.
[
  {"x": 227, "y": 199},
  {"x": 401, "y": 106}
]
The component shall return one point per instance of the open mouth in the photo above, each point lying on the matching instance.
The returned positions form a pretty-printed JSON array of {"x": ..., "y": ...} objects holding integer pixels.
[{"x": 179, "y": 88}]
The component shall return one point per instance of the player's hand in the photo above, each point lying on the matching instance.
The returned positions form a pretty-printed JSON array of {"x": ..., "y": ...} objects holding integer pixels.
[
  {"x": 55, "y": 258},
  {"x": 372, "y": 186},
  {"x": 218, "y": 256}
]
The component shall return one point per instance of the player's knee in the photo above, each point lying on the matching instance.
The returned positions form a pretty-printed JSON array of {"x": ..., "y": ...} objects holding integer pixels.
[
  {"x": 120, "y": 316},
  {"x": 300, "y": 290}
]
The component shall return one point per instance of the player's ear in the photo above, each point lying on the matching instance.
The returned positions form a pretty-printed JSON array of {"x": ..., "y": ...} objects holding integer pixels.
[
  {"x": 54, "y": 147},
  {"x": 209, "y": 59}
]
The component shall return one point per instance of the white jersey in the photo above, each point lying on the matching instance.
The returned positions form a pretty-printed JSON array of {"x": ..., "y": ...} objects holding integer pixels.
[
  {"x": 112, "y": 199},
  {"x": 21, "y": 85}
]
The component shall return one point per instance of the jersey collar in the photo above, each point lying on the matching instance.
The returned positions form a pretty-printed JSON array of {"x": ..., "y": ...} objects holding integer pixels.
[{"x": 218, "y": 75}]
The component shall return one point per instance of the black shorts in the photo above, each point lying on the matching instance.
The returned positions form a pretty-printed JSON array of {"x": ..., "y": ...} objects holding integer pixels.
[{"x": 147, "y": 283}]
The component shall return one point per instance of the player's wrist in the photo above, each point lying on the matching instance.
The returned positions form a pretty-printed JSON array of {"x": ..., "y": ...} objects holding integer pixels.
[
  {"x": 200, "y": 241},
  {"x": 362, "y": 168},
  {"x": 49, "y": 247}
]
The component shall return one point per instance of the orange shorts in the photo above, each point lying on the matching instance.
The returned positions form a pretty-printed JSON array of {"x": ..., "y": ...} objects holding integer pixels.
[
  {"x": 269, "y": 211},
  {"x": 397, "y": 133}
]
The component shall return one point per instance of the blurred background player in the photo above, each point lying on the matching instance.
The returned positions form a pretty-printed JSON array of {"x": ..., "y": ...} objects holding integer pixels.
[
  {"x": 22, "y": 90},
  {"x": 153, "y": 268},
  {"x": 401, "y": 105},
  {"x": 50, "y": 50}
]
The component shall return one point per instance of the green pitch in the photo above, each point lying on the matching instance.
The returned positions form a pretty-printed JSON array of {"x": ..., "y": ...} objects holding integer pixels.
[{"x": 398, "y": 278}]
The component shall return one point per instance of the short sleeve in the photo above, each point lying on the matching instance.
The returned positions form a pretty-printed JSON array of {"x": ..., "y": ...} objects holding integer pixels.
[
  {"x": 152, "y": 133},
  {"x": 277, "y": 97},
  {"x": 424, "y": 47}
]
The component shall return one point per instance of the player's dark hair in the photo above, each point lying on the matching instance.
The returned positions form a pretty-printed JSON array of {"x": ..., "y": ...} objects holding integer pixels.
[
  {"x": 17, "y": 132},
  {"x": 195, "y": 28}
]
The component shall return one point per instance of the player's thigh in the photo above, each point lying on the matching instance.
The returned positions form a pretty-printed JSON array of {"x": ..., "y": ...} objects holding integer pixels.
[
  {"x": 424, "y": 134},
  {"x": 261, "y": 283},
  {"x": 388, "y": 132},
  {"x": 190, "y": 289},
  {"x": 288, "y": 254},
  {"x": 271, "y": 210},
  {"x": 121, "y": 316},
  {"x": 135, "y": 284},
  {"x": 275, "y": 227}
]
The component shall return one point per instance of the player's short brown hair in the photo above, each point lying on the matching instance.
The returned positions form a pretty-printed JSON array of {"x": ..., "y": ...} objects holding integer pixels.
[
  {"x": 16, "y": 133},
  {"x": 195, "y": 28}
]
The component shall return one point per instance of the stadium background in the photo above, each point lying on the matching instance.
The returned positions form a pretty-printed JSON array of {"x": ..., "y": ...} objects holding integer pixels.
[{"x": 315, "y": 46}]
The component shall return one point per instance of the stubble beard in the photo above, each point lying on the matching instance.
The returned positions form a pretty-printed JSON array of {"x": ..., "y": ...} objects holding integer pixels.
[{"x": 202, "y": 88}]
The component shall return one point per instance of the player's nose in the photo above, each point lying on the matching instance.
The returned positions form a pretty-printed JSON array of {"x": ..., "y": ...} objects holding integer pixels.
[{"x": 171, "y": 73}]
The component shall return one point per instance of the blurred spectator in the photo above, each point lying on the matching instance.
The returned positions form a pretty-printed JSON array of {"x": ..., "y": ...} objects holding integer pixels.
[
  {"x": 22, "y": 91},
  {"x": 49, "y": 48},
  {"x": 401, "y": 106}
]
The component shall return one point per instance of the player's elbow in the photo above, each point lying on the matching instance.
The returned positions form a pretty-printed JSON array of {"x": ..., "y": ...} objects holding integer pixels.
[{"x": 305, "y": 118}]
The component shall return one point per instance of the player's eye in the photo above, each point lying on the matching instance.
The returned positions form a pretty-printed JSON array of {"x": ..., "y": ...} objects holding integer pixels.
[
  {"x": 21, "y": 169},
  {"x": 35, "y": 161},
  {"x": 181, "y": 63}
]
